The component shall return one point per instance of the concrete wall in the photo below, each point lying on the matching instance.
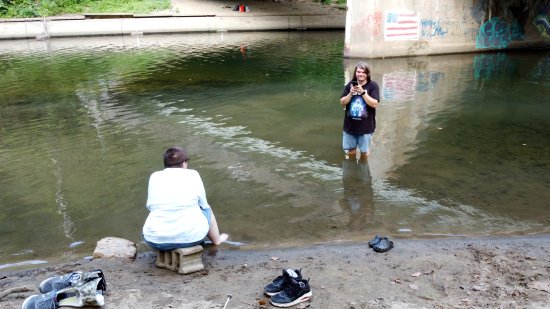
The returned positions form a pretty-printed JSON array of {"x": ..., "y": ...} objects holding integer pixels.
[
  {"x": 393, "y": 28},
  {"x": 31, "y": 29}
]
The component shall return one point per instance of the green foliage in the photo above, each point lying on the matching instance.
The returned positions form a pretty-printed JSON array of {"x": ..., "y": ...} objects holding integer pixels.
[
  {"x": 332, "y": 1},
  {"x": 38, "y": 8},
  {"x": 18, "y": 8}
]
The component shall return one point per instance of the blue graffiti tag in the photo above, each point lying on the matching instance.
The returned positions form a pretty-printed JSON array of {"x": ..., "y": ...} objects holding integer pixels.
[
  {"x": 495, "y": 33},
  {"x": 431, "y": 28},
  {"x": 543, "y": 25},
  {"x": 392, "y": 17}
]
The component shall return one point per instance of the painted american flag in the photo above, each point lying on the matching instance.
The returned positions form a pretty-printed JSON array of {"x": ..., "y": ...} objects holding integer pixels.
[{"x": 401, "y": 26}]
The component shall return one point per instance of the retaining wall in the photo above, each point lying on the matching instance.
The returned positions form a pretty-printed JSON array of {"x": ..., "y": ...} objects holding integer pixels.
[
  {"x": 392, "y": 28},
  {"x": 51, "y": 27}
]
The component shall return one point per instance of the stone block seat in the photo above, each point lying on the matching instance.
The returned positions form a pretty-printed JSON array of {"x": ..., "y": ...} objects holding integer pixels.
[{"x": 181, "y": 260}]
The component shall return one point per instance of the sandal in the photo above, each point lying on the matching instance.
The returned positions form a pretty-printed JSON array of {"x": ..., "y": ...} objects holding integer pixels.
[
  {"x": 383, "y": 245},
  {"x": 374, "y": 241}
]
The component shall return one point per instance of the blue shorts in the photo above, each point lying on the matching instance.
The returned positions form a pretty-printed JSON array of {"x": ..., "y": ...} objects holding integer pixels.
[
  {"x": 207, "y": 212},
  {"x": 352, "y": 141}
]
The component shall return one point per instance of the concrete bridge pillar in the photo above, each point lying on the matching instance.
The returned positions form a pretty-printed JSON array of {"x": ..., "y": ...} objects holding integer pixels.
[{"x": 395, "y": 28}]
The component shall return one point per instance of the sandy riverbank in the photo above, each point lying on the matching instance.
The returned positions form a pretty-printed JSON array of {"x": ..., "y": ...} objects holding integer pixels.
[{"x": 511, "y": 272}]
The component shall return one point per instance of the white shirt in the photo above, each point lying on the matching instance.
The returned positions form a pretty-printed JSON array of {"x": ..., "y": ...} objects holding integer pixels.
[{"x": 175, "y": 198}]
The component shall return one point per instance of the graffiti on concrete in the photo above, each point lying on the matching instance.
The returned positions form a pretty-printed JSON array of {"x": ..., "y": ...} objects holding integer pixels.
[
  {"x": 470, "y": 34},
  {"x": 495, "y": 33},
  {"x": 372, "y": 23},
  {"x": 543, "y": 25},
  {"x": 431, "y": 28},
  {"x": 401, "y": 26},
  {"x": 479, "y": 9},
  {"x": 517, "y": 33}
]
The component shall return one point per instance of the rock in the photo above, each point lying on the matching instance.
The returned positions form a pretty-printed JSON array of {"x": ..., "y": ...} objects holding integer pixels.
[{"x": 115, "y": 247}]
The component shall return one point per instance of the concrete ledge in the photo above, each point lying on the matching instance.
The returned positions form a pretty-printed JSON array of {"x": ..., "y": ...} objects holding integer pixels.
[
  {"x": 108, "y": 15},
  {"x": 37, "y": 29}
]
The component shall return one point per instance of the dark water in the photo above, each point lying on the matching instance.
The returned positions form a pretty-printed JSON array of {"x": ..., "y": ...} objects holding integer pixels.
[{"x": 462, "y": 145}]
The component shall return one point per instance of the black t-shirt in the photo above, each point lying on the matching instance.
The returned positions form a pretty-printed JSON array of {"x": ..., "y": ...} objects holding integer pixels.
[{"x": 367, "y": 125}]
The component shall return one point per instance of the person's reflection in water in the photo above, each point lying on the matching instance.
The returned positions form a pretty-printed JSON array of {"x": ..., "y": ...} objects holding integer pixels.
[{"x": 358, "y": 193}]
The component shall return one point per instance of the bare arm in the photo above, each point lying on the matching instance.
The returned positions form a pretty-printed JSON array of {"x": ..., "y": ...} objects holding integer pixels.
[
  {"x": 372, "y": 102},
  {"x": 347, "y": 98}
]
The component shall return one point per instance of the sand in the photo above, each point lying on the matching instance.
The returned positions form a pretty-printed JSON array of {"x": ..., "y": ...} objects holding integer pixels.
[{"x": 509, "y": 272}]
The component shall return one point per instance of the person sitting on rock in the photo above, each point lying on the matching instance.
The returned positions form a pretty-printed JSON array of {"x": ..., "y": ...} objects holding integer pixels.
[{"x": 179, "y": 214}]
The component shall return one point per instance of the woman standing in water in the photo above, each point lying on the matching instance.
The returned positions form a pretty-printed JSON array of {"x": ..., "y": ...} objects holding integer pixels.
[{"x": 360, "y": 98}]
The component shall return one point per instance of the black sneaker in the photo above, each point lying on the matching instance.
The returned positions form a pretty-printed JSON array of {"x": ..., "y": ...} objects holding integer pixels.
[
  {"x": 296, "y": 292},
  {"x": 280, "y": 282}
]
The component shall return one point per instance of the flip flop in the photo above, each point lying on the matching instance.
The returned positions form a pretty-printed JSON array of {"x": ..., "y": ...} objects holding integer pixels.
[
  {"x": 374, "y": 241},
  {"x": 383, "y": 245}
]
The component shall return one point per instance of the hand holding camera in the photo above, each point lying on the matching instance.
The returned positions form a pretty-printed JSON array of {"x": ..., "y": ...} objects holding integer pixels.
[{"x": 355, "y": 88}]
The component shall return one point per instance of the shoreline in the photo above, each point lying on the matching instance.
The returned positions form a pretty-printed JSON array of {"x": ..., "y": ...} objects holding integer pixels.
[{"x": 463, "y": 272}]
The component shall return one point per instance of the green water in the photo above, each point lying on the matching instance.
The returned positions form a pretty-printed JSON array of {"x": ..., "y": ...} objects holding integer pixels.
[{"x": 461, "y": 146}]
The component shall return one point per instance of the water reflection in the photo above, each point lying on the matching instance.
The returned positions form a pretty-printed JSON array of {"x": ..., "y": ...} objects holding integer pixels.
[
  {"x": 461, "y": 145},
  {"x": 358, "y": 194}
]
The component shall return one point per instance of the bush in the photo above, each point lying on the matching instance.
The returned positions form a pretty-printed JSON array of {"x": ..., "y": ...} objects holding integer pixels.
[{"x": 36, "y": 8}]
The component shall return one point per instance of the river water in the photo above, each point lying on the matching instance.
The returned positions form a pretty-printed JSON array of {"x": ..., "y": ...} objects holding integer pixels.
[{"x": 462, "y": 143}]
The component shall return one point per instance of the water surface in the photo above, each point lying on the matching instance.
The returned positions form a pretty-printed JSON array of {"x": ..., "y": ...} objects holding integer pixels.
[{"x": 461, "y": 146}]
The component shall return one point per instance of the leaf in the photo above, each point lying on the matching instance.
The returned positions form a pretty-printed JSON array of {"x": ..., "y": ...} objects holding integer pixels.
[{"x": 417, "y": 274}]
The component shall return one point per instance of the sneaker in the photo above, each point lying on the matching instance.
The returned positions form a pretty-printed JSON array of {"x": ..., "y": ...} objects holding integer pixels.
[
  {"x": 86, "y": 293},
  {"x": 83, "y": 295},
  {"x": 280, "y": 282},
  {"x": 44, "y": 301},
  {"x": 68, "y": 280},
  {"x": 296, "y": 292}
]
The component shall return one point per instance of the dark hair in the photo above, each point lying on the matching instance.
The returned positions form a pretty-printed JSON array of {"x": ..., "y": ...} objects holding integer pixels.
[
  {"x": 365, "y": 67},
  {"x": 174, "y": 157}
]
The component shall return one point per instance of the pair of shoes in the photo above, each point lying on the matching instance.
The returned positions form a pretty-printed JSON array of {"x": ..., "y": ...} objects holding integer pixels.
[
  {"x": 289, "y": 289},
  {"x": 380, "y": 244},
  {"x": 72, "y": 279},
  {"x": 78, "y": 289}
]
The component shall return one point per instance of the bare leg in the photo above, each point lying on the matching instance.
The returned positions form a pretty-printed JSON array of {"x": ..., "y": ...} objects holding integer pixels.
[
  {"x": 351, "y": 154},
  {"x": 214, "y": 233}
]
